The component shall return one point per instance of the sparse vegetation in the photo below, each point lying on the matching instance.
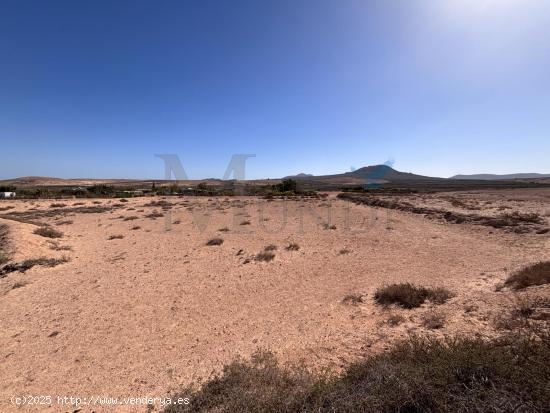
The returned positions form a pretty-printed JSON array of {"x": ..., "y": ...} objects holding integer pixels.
[
  {"x": 214, "y": 241},
  {"x": 131, "y": 218},
  {"x": 270, "y": 247},
  {"x": 4, "y": 254},
  {"x": 224, "y": 229},
  {"x": 535, "y": 274},
  {"x": 416, "y": 375},
  {"x": 292, "y": 247},
  {"x": 265, "y": 256},
  {"x": 28, "y": 264},
  {"x": 154, "y": 215},
  {"x": 395, "y": 319},
  {"x": 18, "y": 284},
  {"x": 353, "y": 299},
  {"x": 433, "y": 320},
  {"x": 111, "y": 237},
  {"x": 48, "y": 232},
  {"x": 410, "y": 296}
]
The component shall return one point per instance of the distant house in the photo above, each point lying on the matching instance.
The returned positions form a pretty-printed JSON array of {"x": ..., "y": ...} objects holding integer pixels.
[{"x": 7, "y": 194}]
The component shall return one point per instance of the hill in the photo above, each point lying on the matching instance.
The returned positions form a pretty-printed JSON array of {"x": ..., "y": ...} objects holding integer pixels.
[{"x": 492, "y": 177}]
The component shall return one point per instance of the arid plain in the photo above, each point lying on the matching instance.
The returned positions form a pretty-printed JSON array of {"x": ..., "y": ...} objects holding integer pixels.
[{"x": 131, "y": 300}]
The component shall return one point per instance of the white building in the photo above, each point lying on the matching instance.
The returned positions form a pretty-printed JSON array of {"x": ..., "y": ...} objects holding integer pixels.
[{"x": 7, "y": 194}]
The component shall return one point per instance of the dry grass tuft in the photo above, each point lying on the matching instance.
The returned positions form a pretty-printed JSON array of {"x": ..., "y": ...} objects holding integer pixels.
[
  {"x": 395, "y": 319},
  {"x": 353, "y": 299},
  {"x": 433, "y": 320},
  {"x": 410, "y": 296},
  {"x": 215, "y": 241},
  {"x": 48, "y": 232},
  {"x": 535, "y": 274},
  {"x": 292, "y": 247},
  {"x": 265, "y": 256}
]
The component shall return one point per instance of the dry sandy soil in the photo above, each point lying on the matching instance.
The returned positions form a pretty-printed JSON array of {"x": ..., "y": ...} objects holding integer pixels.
[{"x": 155, "y": 309}]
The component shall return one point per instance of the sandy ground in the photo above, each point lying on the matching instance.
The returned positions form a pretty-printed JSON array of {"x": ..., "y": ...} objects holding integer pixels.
[{"x": 148, "y": 313}]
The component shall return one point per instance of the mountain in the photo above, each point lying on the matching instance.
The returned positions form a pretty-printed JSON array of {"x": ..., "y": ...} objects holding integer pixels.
[
  {"x": 301, "y": 175},
  {"x": 491, "y": 177},
  {"x": 368, "y": 174}
]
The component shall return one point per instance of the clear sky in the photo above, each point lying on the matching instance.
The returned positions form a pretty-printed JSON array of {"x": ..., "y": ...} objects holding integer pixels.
[{"x": 97, "y": 88}]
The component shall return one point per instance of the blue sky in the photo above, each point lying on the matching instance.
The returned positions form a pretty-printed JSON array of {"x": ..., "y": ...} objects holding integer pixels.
[{"x": 97, "y": 88}]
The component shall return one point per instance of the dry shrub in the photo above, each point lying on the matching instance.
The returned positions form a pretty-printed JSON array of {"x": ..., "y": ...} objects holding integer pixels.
[
  {"x": 28, "y": 264},
  {"x": 48, "y": 232},
  {"x": 433, "y": 320},
  {"x": 410, "y": 296},
  {"x": 395, "y": 319},
  {"x": 524, "y": 313},
  {"x": 270, "y": 247},
  {"x": 265, "y": 256},
  {"x": 245, "y": 223},
  {"x": 353, "y": 299},
  {"x": 65, "y": 222},
  {"x": 416, "y": 375},
  {"x": 344, "y": 251},
  {"x": 534, "y": 274},
  {"x": 154, "y": 215},
  {"x": 215, "y": 241},
  {"x": 115, "y": 237},
  {"x": 292, "y": 247},
  {"x": 131, "y": 218},
  {"x": 4, "y": 241},
  {"x": 224, "y": 229},
  {"x": 135, "y": 228}
]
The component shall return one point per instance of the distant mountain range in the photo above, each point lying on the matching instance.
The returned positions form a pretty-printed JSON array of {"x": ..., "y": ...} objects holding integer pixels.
[
  {"x": 375, "y": 174},
  {"x": 491, "y": 177}
]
